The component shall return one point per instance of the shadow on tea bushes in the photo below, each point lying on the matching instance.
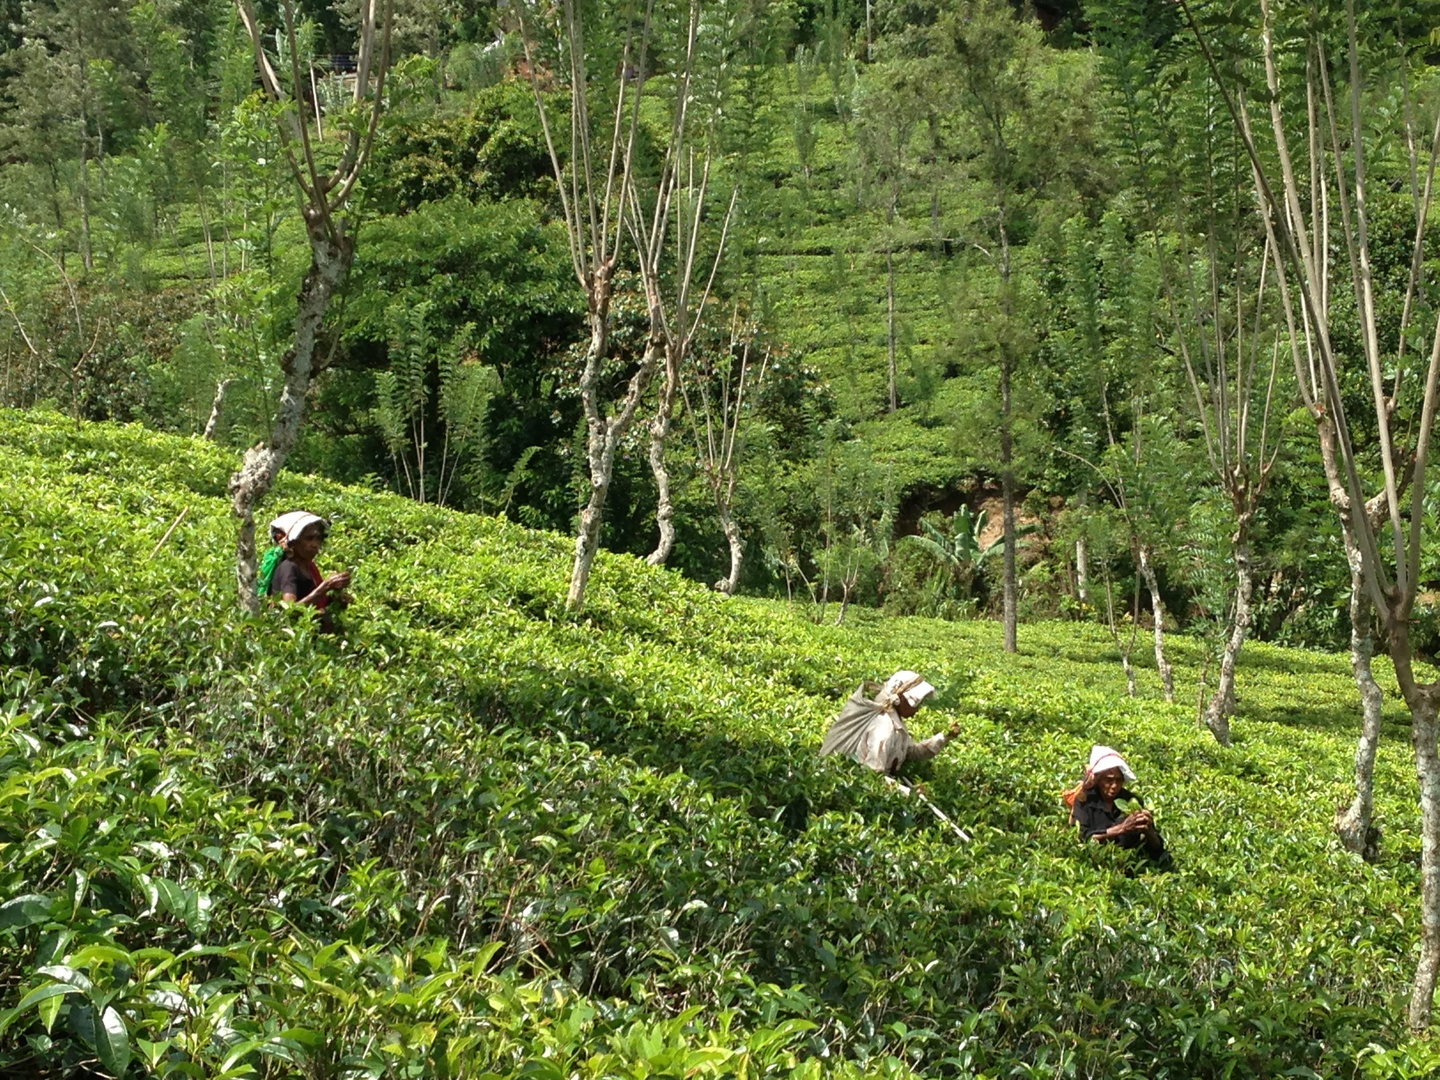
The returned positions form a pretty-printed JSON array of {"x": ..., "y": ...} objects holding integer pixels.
[{"x": 476, "y": 835}]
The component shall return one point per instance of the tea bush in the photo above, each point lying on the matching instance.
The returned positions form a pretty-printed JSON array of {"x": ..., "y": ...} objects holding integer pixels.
[{"x": 477, "y": 836}]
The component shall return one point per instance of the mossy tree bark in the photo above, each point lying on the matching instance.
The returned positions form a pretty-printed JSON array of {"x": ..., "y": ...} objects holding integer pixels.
[
  {"x": 659, "y": 437},
  {"x": 1222, "y": 702},
  {"x": 1355, "y": 824}
]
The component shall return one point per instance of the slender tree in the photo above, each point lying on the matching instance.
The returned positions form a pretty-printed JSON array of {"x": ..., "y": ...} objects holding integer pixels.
[
  {"x": 895, "y": 103},
  {"x": 675, "y": 314},
  {"x": 1219, "y": 299},
  {"x": 1312, "y": 128},
  {"x": 76, "y": 71},
  {"x": 1019, "y": 132},
  {"x": 716, "y": 407},
  {"x": 1230, "y": 351},
  {"x": 595, "y": 171},
  {"x": 1110, "y": 348},
  {"x": 325, "y": 194}
]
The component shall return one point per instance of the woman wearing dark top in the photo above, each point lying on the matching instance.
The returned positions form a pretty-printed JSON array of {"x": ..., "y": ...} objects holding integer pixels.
[
  {"x": 1094, "y": 807},
  {"x": 297, "y": 580}
]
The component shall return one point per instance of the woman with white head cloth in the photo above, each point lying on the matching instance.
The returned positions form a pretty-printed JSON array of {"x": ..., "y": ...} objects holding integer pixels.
[
  {"x": 296, "y": 578},
  {"x": 874, "y": 732},
  {"x": 1109, "y": 812}
]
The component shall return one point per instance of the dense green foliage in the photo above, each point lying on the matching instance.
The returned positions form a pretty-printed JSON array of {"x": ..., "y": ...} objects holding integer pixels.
[
  {"x": 141, "y": 170},
  {"x": 984, "y": 262},
  {"x": 161, "y": 194},
  {"x": 475, "y": 836}
]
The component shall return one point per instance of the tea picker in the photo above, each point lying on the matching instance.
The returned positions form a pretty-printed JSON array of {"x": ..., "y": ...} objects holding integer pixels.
[
  {"x": 1107, "y": 811},
  {"x": 296, "y": 579},
  {"x": 873, "y": 732}
]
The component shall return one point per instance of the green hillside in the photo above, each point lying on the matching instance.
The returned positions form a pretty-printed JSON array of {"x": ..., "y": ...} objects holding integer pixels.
[
  {"x": 814, "y": 243},
  {"x": 476, "y": 836}
]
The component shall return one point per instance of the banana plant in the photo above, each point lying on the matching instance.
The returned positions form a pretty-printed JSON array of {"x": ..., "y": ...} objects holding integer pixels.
[{"x": 962, "y": 550}]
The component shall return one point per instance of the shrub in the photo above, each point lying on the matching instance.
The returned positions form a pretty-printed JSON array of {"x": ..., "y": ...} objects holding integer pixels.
[{"x": 475, "y": 835}]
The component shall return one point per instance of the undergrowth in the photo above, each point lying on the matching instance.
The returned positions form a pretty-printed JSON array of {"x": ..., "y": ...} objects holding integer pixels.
[{"x": 475, "y": 835}]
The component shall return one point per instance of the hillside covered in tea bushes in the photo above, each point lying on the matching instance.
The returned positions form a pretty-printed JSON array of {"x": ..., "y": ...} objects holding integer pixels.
[{"x": 476, "y": 836}]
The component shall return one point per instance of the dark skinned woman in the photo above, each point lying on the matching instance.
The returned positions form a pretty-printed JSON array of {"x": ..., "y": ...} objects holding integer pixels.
[
  {"x": 297, "y": 579},
  {"x": 1095, "y": 806}
]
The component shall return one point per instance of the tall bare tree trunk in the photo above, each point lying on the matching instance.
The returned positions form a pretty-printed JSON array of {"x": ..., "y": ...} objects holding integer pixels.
[
  {"x": 87, "y": 255},
  {"x": 603, "y": 435},
  {"x": 1157, "y": 614},
  {"x": 1427, "y": 768},
  {"x": 1222, "y": 703},
  {"x": 587, "y": 536},
  {"x": 1007, "y": 491},
  {"x": 1355, "y": 826},
  {"x": 890, "y": 320},
  {"x": 1424, "y": 732},
  {"x": 731, "y": 582},
  {"x": 213, "y": 424},
  {"x": 330, "y": 258},
  {"x": 659, "y": 436},
  {"x": 205, "y": 230},
  {"x": 1082, "y": 570},
  {"x": 603, "y": 439}
]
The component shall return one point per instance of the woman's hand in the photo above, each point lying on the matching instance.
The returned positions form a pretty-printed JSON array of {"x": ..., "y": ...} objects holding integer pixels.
[
  {"x": 1140, "y": 821},
  {"x": 335, "y": 582}
]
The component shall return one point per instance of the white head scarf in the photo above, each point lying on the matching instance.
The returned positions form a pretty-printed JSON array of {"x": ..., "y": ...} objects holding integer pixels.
[
  {"x": 1103, "y": 759},
  {"x": 291, "y": 525},
  {"x": 906, "y": 684}
]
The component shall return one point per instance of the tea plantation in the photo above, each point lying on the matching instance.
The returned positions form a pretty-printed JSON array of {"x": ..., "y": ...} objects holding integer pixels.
[{"x": 475, "y": 836}]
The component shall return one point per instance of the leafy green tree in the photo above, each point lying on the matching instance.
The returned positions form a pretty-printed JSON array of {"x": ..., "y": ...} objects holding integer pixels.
[
  {"x": 1108, "y": 346},
  {"x": 856, "y": 502},
  {"x": 10, "y": 15},
  {"x": 501, "y": 269},
  {"x": 178, "y": 57},
  {"x": 1225, "y": 329},
  {"x": 894, "y": 107},
  {"x": 407, "y": 416},
  {"x": 424, "y": 27},
  {"x": 1021, "y": 127},
  {"x": 72, "y": 97}
]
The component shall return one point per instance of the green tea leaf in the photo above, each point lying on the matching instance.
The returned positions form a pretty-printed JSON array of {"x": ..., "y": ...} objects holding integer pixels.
[
  {"x": 24, "y": 911},
  {"x": 44, "y": 993},
  {"x": 112, "y": 1042}
]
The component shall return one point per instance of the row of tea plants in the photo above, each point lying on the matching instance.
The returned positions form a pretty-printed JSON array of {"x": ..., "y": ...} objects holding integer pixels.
[{"x": 476, "y": 836}]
